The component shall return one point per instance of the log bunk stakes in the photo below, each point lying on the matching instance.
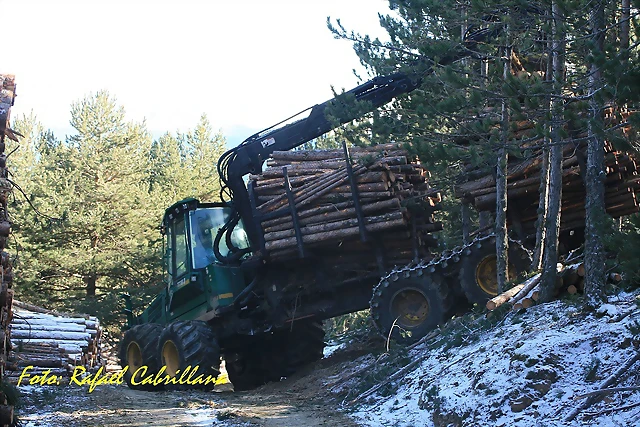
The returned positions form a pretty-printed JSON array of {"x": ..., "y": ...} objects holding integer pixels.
[
  {"x": 318, "y": 186},
  {"x": 7, "y": 96}
]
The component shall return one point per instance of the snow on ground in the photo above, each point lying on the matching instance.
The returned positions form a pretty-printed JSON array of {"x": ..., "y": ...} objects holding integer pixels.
[
  {"x": 332, "y": 348},
  {"x": 528, "y": 371}
]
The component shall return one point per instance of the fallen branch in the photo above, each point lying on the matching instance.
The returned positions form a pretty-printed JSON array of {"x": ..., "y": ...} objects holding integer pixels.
[
  {"x": 612, "y": 379},
  {"x": 606, "y": 390},
  {"x": 617, "y": 408},
  {"x": 391, "y": 378},
  {"x": 382, "y": 357}
]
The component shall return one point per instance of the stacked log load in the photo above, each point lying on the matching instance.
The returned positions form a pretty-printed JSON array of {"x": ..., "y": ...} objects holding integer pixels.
[
  {"x": 393, "y": 192},
  {"x": 53, "y": 341},
  {"x": 523, "y": 182},
  {"x": 7, "y": 97}
]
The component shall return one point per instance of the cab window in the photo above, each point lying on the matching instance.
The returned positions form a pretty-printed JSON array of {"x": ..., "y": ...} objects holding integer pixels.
[
  {"x": 181, "y": 256},
  {"x": 168, "y": 254},
  {"x": 205, "y": 223}
]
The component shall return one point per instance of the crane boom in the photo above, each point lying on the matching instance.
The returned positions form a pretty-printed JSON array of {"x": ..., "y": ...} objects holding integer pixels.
[{"x": 249, "y": 156}]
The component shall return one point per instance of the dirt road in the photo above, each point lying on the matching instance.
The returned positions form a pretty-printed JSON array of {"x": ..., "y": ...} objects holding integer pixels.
[
  {"x": 302, "y": 400},
  {"x": 68, "y": 406}
]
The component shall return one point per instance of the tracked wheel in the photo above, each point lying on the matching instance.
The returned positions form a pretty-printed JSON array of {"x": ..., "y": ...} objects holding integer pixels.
[
  {"x": 478, "y": 275},
  {"x": 138, "y": 350},
  {"x": 409, "y": 305},
  {"x": 190, "y": 343}
]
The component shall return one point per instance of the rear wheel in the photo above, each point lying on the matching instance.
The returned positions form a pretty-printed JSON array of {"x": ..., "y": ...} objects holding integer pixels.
[
  {"x": 407, "y": 308},
  {"x": 478, "y": 269},
  {"x": 246, "y": 370},
  {"x": 138, "y": 351},
  {"x": 276, "y": 355},
  {"x": 190, "y": 344},
  {"x": 302, "y": 343}
]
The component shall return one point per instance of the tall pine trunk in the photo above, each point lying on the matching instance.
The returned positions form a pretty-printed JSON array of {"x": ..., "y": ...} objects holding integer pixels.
[
  {"x": 552, "y": 219},
  {"x": 543, "y": 205},
  {"x": 543, "y": 200},
  {"x": 625, "y": 16},
  {"x": 502, "y": 243},
  {"x": 594, "y": 257},
  {"x": 466, "y": 222},
  {"x": 484, "y": 217}
]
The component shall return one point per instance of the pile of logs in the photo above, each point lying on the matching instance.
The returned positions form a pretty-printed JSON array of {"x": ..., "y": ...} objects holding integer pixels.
[
  {"x": 109, "y": 353},
  {"x": 523, "y": 182},
  {"x": 392, "y": 190},
  {"x": 52, "y": 341},
  {"x": 7, "y": 96},
  {"x": 570, "y": 279}
]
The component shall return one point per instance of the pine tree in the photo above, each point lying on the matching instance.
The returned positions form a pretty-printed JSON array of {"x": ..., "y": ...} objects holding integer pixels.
[
  {"x": 101, "y": 238},
  {"x": 202, "y": 148}
]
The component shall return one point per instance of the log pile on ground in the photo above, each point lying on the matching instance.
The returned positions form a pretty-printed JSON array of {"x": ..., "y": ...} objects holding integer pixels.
[
  {"x": 7, "y": 96},
  {"x": 570, "y": 280},
  {"x": 53, "y": 341},
  {"x": 109, "y": 353},
  {"x": 392, "y": 191},
  {"x": 523, "y": 182}
]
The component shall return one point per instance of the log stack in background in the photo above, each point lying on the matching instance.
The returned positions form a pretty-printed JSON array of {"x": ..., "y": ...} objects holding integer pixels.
[
  {"x": 49, "y": 340},
  {"x": 523, "y": 182},
  {"x": 570, "y": 280},
  {"x": 7, "y": 97},
  {"x": 393, "y": 191}
]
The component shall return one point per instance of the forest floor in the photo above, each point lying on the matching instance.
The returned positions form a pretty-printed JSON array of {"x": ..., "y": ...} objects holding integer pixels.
[{"x": 512, "y": 369}]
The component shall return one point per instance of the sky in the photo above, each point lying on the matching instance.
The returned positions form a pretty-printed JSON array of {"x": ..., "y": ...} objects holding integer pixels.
[{"x": 247, "y": 64}]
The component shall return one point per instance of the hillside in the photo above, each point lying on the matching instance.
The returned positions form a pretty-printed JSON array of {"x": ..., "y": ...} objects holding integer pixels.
[{"x": 519, "y": 369}]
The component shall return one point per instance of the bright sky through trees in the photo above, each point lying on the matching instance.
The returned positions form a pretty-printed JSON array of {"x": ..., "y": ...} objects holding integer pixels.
[{"x": 247, "y": 64}]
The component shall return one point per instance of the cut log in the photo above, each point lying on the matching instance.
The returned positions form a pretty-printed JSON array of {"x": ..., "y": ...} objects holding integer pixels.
[
  {"x": 526, "y": 288},
  {"x": 332, "y": 214},
  {"x": 25, "y": 335},
  {"x": 497, "y": 301},
  {"x": 335, "y": 235},
  {"x": 331, "y": 226},
  {"x": 63, "y": 327}
]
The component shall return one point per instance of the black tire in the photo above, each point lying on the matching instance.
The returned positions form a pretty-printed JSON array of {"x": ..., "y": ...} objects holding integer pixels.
[
  {"x": 246, "y": 369},
  {"x": 301, "y": 344},
  {"x": 477, "y": 274},
  {"x": 137, "y": 349},
  {"x": 190, "y": 343},
  {"x": 409, "y": 305},
  {"x": 276, "y": 355}
]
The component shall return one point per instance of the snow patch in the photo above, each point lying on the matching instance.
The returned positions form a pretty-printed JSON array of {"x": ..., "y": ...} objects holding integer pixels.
[
  {"x": 528, "y": 371},
  {"x": 608, "y": 309},
  {"x": 330, "y": 349}
]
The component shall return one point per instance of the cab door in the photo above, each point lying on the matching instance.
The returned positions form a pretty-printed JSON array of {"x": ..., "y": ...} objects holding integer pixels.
[{"x": 183, "y": 290}]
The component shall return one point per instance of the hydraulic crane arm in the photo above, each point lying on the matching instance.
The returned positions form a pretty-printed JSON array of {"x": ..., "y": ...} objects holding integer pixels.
[
  {"x": 249, "y": 156},
  {"x": 255, "y": 150}
]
